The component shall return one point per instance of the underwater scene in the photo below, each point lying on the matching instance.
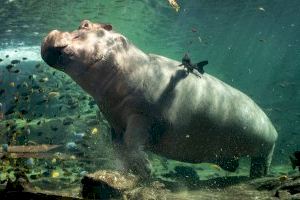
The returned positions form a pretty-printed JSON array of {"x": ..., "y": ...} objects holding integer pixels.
[{"x": 150, "y": 99}]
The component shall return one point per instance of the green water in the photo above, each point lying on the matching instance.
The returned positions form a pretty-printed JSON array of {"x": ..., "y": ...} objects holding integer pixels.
[{"x": 250, "y": 44}]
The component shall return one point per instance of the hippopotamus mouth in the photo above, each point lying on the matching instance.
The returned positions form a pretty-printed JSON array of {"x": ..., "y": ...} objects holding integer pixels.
[{"x": 59, "y": 48}]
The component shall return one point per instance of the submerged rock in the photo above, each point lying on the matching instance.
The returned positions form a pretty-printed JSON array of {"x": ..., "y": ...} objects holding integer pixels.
[{"x": 106, "y": 184}]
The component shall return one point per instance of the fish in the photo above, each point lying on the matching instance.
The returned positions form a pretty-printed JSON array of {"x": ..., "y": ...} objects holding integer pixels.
[
  {"x": 2, "y": 91},
  {"x": 15, "y": 71},
  {"x": 12, "y": 84},
  {"x": 38, "y": 65},
  {"x": 94, "y": 131},
  {"x": 1, "y": 59},
  {"x": 15, "y": 62},
  {"x": 216, "y": 167},
  {"x": 53, "y": 94},
  {"x": 55, "y": 174},
  {"x": 53, "y": 128},
  {"x": 23, "y": 112},
  {"x": 41, "y": 102},
  {"x": 24, "y": 58},
  {"x": 295, "y": 160},
  {"x": 9, "y": 67},
  {"x": 174, "y": 5},
  {"x": 43, "y": 80},
  {"x": 30, "y": 149},
  {"x": 261, "y": 9},
  {"x": 10, "y": 110}
]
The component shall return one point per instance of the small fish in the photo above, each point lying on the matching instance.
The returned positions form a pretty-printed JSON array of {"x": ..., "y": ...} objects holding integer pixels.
[
  {"x": 295, "y": 160},
  {"x": 53, "y": 94},
  {"x": 54, "y": 128},
  {"x": 23, "y": 112},
  {"x": 1, "y": 59},
  {"x": 15, "y": 71},
  {"x": 41, "y": 102},
  {"x": 71, "y": 146},
  {"x": 9, "y": 67},
  {"x": 261, "y": 9},
  {"x": 2, "y": 91},
  {"x": 283, "y": 178},
  {"x": 67, "y": 121},
  {"x": 12, "y": 84},
  {"x": 43, "y": 80},
  {"x": 24, "y": 58},
  {"x": 10, "y": 110},
  {"x": 94, "y": 131},
  {"x": 216, "y": 167},
  {"x": 6, "y": 56},
  {"x": 174, "y": 5},
  {"x": 15, "y": 62},
  {"x": 30, "y": 162},
  {"x": 38, "y": 65},
  {"x": 54, "y": 174},
  {"x": 32, "y": 77}
]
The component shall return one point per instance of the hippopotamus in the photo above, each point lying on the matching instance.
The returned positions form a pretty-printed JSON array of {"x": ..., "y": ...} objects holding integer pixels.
[{"x": 153, "y": 105}]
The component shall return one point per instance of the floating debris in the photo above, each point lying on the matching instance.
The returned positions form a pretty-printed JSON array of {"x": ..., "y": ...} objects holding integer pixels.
[{"x": 174, "y": 5}]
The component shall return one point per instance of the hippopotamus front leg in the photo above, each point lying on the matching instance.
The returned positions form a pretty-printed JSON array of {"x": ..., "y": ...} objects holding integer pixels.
[{"x": 131, "y": 147}]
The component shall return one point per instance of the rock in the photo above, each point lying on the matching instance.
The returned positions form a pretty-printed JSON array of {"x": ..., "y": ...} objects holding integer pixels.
[
  {"x": 289, "y": 187},
  {"x": 156, "y": 191},
  {"x": 106, "y": 184}
]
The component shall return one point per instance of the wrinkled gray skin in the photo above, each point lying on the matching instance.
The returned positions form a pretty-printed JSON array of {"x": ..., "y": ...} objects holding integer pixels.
[{"x": 153, "y": 104}]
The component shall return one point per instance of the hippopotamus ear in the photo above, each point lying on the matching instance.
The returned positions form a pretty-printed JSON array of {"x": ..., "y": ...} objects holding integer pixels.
[{"x": 107, "y": 27}]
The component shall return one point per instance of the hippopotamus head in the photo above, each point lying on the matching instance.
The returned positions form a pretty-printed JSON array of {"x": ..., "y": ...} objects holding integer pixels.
[{"x": 78, "y": 51}]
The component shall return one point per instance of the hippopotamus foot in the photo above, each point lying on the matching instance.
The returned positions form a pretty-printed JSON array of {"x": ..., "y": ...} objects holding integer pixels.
[
  {"x": 260, "y": 164},
  {"x": 131, "y": 150},
  {"x": 136, "y": 162}
]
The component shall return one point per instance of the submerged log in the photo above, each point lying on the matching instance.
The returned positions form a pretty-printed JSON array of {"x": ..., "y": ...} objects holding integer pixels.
[{"x": 30, "y": 149}]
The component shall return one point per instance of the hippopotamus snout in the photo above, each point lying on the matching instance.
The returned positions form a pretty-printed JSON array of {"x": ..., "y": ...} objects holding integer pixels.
[
  {"x": 59, "y": 48},
  {"x": 53, "y": 46}
]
